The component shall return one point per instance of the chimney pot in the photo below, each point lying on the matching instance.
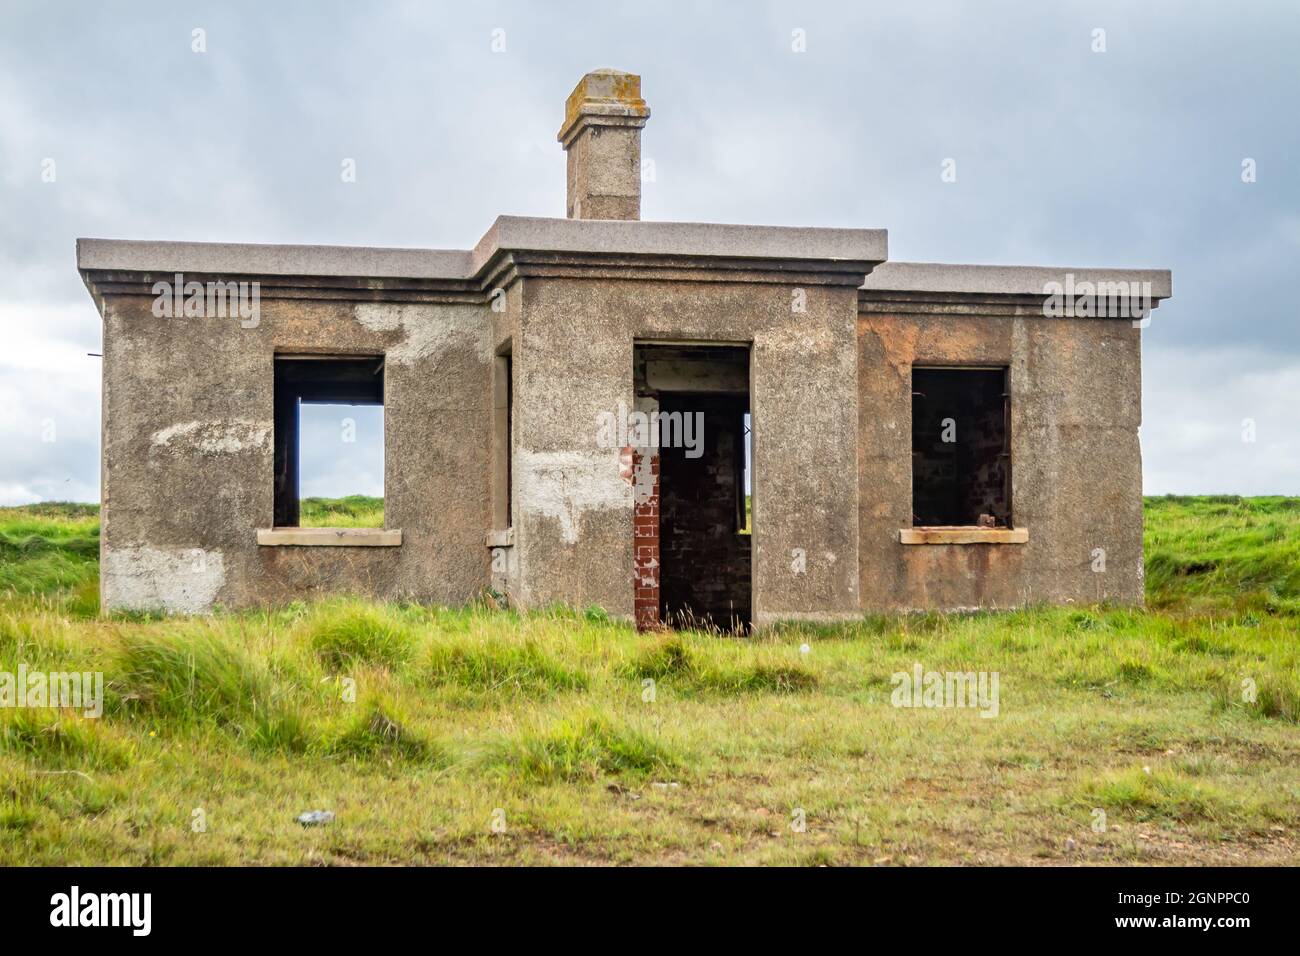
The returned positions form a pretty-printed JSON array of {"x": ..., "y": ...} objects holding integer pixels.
[{"x": 603, "y": 117}]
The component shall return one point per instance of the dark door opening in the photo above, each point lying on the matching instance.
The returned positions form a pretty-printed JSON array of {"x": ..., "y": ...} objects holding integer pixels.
[{"x": 701, "y": 397}]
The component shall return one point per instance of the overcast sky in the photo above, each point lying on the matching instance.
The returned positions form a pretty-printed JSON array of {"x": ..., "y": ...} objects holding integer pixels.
[{"x": 1130, "y": 157}]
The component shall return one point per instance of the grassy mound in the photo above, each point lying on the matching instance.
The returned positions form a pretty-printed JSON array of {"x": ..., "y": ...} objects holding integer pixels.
[
  {"x": 50, "y": 548},
  {"x": 353, "y": 511},
  {"x": 1222, "y": 552}
]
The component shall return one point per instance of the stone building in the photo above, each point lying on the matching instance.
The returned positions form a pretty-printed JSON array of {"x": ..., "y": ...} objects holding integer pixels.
[{"x": 911, "y": 435}]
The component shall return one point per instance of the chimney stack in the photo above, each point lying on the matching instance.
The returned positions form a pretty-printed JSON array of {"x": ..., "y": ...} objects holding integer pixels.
[{"x": 603, "y": 117}]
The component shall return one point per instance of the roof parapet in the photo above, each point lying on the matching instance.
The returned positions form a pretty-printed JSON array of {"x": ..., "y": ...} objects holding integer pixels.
[
  {"x": 507, "y": 234},
  {"x": 1006, "y": 280}
]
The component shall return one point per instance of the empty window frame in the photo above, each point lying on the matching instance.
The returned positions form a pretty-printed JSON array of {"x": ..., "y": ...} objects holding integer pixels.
[
  {"x": 502, "y": 441},
  {"x": 744, "y": 471},
  {"x": 961, "y": 452},
  {"x": 328, "y": 380}
]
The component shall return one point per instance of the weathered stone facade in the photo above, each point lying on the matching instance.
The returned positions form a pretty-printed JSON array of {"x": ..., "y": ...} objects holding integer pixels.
[{"x": 499, "y": 363}]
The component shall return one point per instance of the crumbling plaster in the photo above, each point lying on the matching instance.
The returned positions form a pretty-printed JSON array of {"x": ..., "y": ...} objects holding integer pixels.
[{"x": 188, "y": 457}]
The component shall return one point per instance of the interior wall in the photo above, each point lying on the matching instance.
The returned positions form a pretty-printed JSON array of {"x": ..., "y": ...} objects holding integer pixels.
[
  {"x": 959, "y": 469},
  {"x": 704, "y": 560}
]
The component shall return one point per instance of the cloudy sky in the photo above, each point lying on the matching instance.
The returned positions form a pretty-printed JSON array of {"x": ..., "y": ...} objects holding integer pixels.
[{"x": 1064, "y": 156}]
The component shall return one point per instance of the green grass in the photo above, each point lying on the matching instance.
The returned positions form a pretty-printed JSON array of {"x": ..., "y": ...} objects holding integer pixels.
[
  {"x": 50, "y": 549},
  {"x": 581, "y": 747},
  {"x": 486, "y": 736},
  {"x": 693, "y": 663},
  {"x": 497, "y": 666},
  {"x": 353, "y": 511},
  {"x": 1221, "y": 551},
  {"x": 344, "y": 633}
]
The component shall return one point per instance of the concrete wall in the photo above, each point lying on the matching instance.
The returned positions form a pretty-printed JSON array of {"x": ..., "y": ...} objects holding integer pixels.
[
  {"x": 573, "y": 360},
  {"x": 188, "y": 405},
  {"x": 187, "y": 456},
  {"x": 1075, "y": 458}
]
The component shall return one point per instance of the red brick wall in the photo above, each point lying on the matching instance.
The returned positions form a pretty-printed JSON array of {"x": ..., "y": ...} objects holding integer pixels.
[{"x": 645, "y": 539}]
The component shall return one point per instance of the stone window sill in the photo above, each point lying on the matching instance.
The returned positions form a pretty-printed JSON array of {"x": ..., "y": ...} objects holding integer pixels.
[
  {"x": 329, "y": 537},
  {"x": 963, "y": 535},
  {"x": 500, "y": 539}
]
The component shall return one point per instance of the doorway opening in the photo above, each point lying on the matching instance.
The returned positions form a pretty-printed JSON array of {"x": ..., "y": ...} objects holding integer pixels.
[{"x": 692, "y": 524}]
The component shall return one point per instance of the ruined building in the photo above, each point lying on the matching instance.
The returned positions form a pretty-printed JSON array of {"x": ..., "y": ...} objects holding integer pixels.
[{"x": 912, "y": 435}]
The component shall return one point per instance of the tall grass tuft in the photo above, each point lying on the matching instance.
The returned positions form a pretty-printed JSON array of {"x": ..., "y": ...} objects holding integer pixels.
[
  {"x": 345, "y": 633},
  {"x": 501, "y": 666},
  {"x": 192, "y": 676},
  {"x": 1276, "y": 696},
  {"x": 37, "y": 637},
  {"x": 669, "y": 656},
  {"x": 682, "y": 662},
  {"x": 62, "y": 739},
  {"x": 378, "y": 729},
  {"x": 1154, "y": 794},
  {"x": 581, "y": 747},
  {"x": 47, "y": 548}
]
